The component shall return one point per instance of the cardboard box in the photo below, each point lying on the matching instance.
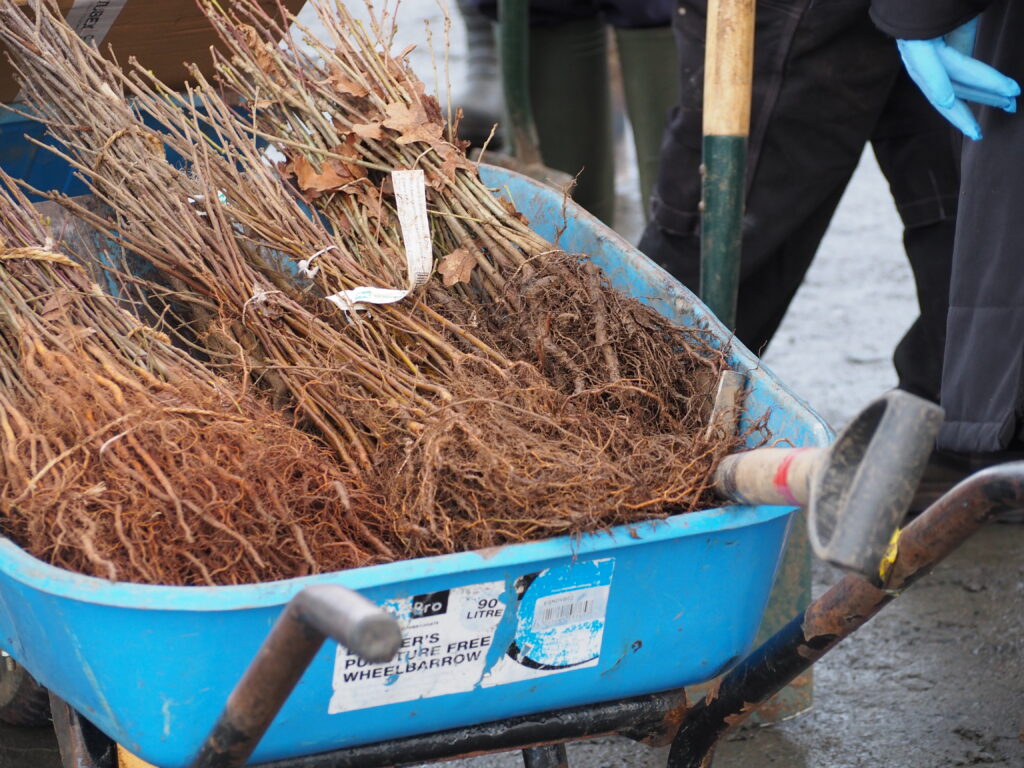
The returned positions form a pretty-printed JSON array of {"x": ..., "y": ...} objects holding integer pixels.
[{"x": 162, "y": 34}]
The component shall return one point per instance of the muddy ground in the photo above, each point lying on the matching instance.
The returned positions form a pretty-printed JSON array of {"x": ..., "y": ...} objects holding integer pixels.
[{"x": 937, "y": 679}]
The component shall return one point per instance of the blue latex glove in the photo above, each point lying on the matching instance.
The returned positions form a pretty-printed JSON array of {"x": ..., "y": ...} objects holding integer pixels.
[{"x": 949, "y": 77}]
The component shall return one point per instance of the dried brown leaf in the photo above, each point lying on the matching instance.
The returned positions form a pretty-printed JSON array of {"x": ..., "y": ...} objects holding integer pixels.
[
  {"x": 355, "y": 170},
  {"x": 510, "y": 207},
  {"x": 344, "y": 84},
  {"x": 313, "y": 182},
  {"x": 457, "y": 266},
  {"x": 411, "y": 124},
  {"x": 370, "y": 131},
  {"x": 333, "y": 174},
  {"x": 451, "y": 160},
  {"x": 257, "y": 47}
]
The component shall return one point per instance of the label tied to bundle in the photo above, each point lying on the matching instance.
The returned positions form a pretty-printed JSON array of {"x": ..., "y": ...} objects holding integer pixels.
[
  {"x": 483, "y": 635},
  {"x": 411, "y": 201},
  {"x": 93, "y": 19}
]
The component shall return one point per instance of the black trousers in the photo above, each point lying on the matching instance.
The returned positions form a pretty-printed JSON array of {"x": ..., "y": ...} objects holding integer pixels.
[
  {"x": 826, "y": 82},
  {"x": 983, "y": 381}
]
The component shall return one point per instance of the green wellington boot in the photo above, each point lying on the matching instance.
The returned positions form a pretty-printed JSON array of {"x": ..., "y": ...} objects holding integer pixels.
[
  {"x": 572, "y": 109},
  {"x": 479, "y": 94},
  {"x": 650, "y": 77}
]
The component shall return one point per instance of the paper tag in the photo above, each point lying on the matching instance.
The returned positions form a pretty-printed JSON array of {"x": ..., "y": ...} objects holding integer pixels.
[
  {"x": 411, "y": 200},
  {"x": 93, "y": 19}
]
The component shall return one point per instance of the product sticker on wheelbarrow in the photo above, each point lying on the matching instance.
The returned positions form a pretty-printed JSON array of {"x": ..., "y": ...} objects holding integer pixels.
[{"x": 483, "y": 635}]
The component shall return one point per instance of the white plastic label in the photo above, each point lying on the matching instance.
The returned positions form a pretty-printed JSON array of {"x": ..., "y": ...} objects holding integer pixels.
[
  {"x": 411, "y": 201},
  {"x": 482, "y": 635},
  {"x": 93, "y": 19},
  {"x": 349, "y": 300}
]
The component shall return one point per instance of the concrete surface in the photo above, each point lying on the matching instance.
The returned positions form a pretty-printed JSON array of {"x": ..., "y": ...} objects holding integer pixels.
[{"x": 935, "y": 680}]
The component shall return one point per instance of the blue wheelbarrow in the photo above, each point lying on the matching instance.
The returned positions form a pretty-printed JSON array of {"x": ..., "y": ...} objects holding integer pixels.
[{"x": 519, "y": 647}]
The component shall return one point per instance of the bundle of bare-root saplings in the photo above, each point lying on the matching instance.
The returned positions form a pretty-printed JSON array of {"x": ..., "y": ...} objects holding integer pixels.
[
  {"x": 513, "y": 395},
  {"x": 125, "y": 458}
]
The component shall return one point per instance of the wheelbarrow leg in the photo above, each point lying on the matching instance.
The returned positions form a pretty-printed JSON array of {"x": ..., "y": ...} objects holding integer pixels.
[
  {"x": 844, "y": 609},
  {"x": 551, "y": 756},
  {"x": 80, "y": 743}
]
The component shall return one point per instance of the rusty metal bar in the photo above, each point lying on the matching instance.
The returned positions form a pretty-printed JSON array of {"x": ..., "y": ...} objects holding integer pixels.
[
  {"x": 843, "y": 609},
  {"x": 313, "y": 615}
]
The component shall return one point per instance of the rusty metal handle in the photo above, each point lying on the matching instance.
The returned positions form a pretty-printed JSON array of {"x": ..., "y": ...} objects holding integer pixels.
[
  {"x": 313, "y": 615},
  {"x": 843, "y": 609}
]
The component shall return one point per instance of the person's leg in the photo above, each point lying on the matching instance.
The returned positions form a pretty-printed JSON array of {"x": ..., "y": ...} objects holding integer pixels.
[
  {"x": 918, "y": 356},
  {"x": 569, "y": 89},
  {"x": 649, "y": 65},
  {"x": 571, "y": 102},
  {"x": 479, "y": 94},
  {"x": 919, "y": 155},
  {"x": 648, "y": 59},
  {"x": 822, "y": 74},
  {"x": 983, "y": 373}
]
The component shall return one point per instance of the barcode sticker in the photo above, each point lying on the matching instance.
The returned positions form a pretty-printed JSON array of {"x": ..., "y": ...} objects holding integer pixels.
[
  {"x": 561, "y": 615},
  {"x": 576, "y": 607}
]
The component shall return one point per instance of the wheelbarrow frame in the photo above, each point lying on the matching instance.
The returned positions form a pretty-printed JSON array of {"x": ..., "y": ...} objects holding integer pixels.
[
  {"x": 656, "y": 719},
  {"x": 130, "y": 711}
]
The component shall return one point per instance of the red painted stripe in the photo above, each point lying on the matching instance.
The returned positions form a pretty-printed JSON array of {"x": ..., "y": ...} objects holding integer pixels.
[{"x": 781, "y": 479}]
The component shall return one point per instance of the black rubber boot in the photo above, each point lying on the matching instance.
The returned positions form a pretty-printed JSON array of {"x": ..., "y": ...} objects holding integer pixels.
[
  {"x": 650, "y": 64},
  {"x": 479, "y": 94},
  {"x": 572, "y": 109}
]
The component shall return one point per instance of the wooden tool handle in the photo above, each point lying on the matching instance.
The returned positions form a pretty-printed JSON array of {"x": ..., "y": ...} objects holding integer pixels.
[{"x": 729, "y": 67}]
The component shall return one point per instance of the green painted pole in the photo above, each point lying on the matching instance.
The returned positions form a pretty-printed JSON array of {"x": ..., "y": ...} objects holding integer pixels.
[
  {"x": 728, "y": 76},
  {"x": 725, "y": 159},
  {"x": 514, "y": 41}
]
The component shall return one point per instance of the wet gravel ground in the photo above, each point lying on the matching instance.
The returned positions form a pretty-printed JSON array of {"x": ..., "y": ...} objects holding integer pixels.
[{"x": 937, "y": 679}]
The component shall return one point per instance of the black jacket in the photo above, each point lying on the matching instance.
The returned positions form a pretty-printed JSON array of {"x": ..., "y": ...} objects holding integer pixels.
[{"x": 923, "y": 19}]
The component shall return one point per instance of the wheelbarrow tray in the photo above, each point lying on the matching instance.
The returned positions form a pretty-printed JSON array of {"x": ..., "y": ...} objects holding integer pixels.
[{"x": 487, "y": 635}]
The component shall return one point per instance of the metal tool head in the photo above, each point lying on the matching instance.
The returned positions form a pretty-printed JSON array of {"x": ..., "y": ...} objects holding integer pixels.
[{"x": 866, "y": 484}]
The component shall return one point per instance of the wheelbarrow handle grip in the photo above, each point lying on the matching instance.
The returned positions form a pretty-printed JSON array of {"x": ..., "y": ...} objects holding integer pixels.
[
  {"x": 349, "y": 618},
  {"x": 314, "y": 614}
]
